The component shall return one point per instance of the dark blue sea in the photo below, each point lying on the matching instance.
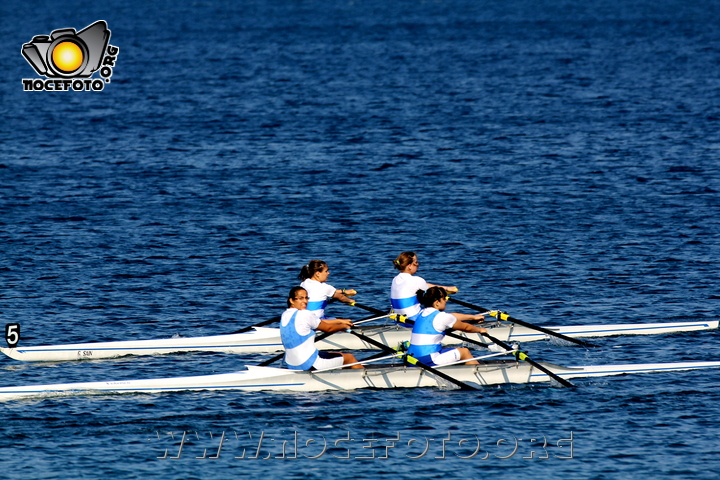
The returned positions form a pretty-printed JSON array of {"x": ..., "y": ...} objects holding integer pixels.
[{"x": 558, "y": 160}]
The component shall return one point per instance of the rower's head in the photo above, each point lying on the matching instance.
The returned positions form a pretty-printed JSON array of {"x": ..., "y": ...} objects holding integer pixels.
[
  {"x": 315, "y": 269},
  {"x": 407, "y": 262},
  {"x": 435, "y": 297},
  {"x": 298, "y": 298}
]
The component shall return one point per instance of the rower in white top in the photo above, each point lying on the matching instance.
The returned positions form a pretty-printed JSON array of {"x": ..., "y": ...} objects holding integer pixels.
[
  {"x": 404, "y": 286},
  {"x": 313, "y": 276},
  {"x": 297, "y": 331},
  {"x": 430, "y": 326}
]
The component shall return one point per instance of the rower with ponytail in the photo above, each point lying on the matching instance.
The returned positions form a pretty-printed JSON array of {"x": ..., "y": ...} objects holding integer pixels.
[
  {"x": 313, "y": 277},
  {"x": 406, "y": 283},
  {"x": 429, "y": 297},
  {"x": 430, "y": 326}
]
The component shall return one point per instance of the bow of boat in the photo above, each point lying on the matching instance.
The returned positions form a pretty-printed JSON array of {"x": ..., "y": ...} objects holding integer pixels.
[{"x": 585, "y": 371}]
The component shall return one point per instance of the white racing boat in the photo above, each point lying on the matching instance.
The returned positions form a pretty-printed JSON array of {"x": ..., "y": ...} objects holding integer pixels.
[
  {"x": 388, "y": 376},
  {"x": 267, "y": 340}
]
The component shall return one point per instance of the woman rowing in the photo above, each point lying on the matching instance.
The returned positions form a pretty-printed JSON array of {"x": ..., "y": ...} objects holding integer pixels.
[
  {"x": 404, "y": 286},
  {"x": 429, "y": 330},
  {"x": 313, "y": 277},
  {"x": 297, "y": 332}
]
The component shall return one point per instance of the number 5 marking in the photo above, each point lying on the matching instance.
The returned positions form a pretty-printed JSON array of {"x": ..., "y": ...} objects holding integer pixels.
[{"x": 12, "y": 334}]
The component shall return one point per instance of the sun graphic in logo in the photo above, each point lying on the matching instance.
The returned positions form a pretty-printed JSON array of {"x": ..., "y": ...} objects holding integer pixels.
[{"x": 67, "y": 56}]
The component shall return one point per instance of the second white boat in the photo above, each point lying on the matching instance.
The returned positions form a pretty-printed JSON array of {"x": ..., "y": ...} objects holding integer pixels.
[{"x": 267, "y": 340}]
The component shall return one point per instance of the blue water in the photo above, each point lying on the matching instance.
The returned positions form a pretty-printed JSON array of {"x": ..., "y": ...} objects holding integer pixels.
[{"x": 555, "y": 159}]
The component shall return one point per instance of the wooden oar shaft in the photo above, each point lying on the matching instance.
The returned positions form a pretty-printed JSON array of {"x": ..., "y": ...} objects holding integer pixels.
[{"x": 504, "y": 316}]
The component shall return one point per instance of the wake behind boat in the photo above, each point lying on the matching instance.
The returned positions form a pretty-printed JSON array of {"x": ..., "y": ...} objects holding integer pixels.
[
  {"x": 387, "y": 376},
  {"x": 267, "y": 340}
]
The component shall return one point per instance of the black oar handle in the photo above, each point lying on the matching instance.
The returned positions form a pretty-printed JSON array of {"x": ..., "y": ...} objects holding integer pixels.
[
  {"x": 504, "y": 316},
  {"x": 365, "y": 307}
]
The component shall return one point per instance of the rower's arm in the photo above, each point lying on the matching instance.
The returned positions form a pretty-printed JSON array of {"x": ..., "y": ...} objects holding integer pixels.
[
  {"x": 334, "y": 325},
  {"x": 466, "y": 327},
  {"x": 464, "y": 317},
  {"x": 447, "y": 289},
  {"x": 344, "y": 294}
]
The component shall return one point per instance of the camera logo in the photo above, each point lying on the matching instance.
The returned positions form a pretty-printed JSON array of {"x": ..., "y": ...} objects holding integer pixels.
[{"x": 68, "y": 59}]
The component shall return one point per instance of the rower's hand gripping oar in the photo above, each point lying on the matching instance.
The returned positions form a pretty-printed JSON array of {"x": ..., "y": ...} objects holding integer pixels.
[
  {"x": 503, "y": 316},
  {"x": 510, "y": 350}
]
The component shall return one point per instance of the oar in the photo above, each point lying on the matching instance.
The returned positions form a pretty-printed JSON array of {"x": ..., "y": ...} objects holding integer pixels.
[
  {"x": 503, "y": 316},
  {"x": 520, "y": 355},
  {"x": 322, "y": 336},
  {"x": 365, "y": 307},
  {"x": 523, "y": 356},
  {"x": 266, "y": 322},
  {"x": 449, "y": 333},
  {"x": 261, "y": 324},
  {"x": 414, "y": 361}
]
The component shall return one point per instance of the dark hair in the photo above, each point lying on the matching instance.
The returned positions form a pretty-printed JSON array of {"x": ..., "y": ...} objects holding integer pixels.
[
  {"x": 293, "y": 292},
  {"x": 432, "y": 295},
  {"x": 404, "y": 259},
  {"x": 311, "y": 268}
]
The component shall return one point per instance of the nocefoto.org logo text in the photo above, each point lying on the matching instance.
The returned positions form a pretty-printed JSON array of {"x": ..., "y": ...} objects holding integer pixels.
[{"x": 68, "y": 59}]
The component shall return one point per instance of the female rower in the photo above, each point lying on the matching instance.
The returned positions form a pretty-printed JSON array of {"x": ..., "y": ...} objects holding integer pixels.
[
  {"x": 429, "y": 330},
  {"x": 313, "y": 276},
  {"x": 297, "y": 331},
  {"x": 406, "y": 283}
]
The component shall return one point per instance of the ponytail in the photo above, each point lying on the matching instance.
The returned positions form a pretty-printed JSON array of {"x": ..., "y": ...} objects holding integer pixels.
[
  {"x": 404, "y": 259},
  {"x": 311, "y": 268},
  {"x": 428, "y": 298}
]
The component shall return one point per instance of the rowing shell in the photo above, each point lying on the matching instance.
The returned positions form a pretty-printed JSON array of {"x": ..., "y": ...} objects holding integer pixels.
[
  {"x": 398, "y": 376},
  {"x": 267, "y": 340}
]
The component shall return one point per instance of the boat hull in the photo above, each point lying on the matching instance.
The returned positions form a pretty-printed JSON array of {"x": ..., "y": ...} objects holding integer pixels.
[
  {"x": 400, "y": 376},
  {"x": 267, "y": 340}
]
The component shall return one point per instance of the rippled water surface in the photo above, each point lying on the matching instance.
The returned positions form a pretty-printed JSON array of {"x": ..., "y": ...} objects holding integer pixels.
[{"x": 557, "y": 160}]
